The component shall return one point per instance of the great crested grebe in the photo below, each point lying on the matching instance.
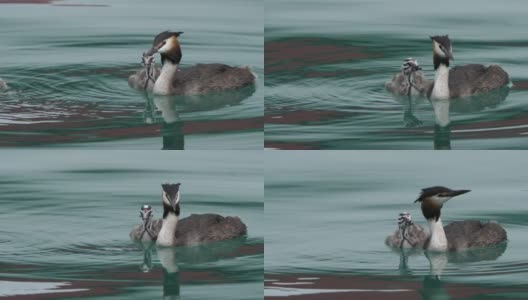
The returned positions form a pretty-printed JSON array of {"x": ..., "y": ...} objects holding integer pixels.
[
  {"x": 410, "y": 81},
  {"x": 457, "y": 236},
  {"x": 461, "y": 81},
  {"x": 195, "y": 80},
  {"x": 192, "y": 230}
]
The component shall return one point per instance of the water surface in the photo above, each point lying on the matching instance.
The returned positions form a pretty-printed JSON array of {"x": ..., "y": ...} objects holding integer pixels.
[
  {"x": 67, "y": 71},
  {"x": 67, "y": 214},
  {"x": 327, "y": 62},
  {"x": 328, "y": 214}
]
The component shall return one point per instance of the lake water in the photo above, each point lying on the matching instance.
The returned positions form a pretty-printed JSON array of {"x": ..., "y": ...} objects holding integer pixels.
[
  {"x": 327, "y": 61},
  {"x": 66, "y": 216},
  {"x": 67, "y": 70},
  {"x": 328, "y": 213},
  {"x": 68, "y": 210}
]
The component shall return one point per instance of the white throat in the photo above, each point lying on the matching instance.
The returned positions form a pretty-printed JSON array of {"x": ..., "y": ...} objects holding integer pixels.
[
  {"x": 438, "y": 240},
  {"x": 166, "y": 235},
  {"x": 163, "y": 84},
  {"x": 441, "y": 83}
]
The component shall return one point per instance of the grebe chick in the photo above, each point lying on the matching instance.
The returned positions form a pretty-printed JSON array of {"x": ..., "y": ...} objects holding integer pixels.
[
  {"x": 145, "y": 78},
  {"x": 461, "y": 81},
  {"x": 195, "y": 229},
  {"x": 408, "y": 234},
  {"x": 410, "y": 81},
  {"x": 195, "y": 80},
  {"x": 459, "y": 235},
  {"x": 144, "y": 232}
]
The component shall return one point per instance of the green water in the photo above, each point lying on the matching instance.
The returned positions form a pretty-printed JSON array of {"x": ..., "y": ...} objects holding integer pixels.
[
  {"x": 67, "y": 210},
  {"x": 67, "y": 70},
  {"x": 328, "y": 214},
  {"x": 327, "y": 62},
  {"x": 66, "y": 216}
]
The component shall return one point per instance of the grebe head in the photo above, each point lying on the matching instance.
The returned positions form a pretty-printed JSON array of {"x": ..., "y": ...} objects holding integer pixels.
[
  {"x": 146, "y": 213},
  {"x": 171, "y": 198},
  {"x": 167, "y": 44},
  {"x": 433, "y": 198},
  {"x": 442, "y": 46},
  {"x": 409, "y": 66},
  {"x": 404, "y": 220}
]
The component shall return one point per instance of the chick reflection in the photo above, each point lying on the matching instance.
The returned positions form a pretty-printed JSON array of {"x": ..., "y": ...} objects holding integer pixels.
[{"x": 146, "y": 246}]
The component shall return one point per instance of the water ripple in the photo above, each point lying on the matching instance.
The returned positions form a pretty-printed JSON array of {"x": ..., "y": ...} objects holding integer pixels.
[{"x": 362, "y": 114}]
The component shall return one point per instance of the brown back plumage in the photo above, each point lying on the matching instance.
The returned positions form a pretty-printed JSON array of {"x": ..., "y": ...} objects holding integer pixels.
[
  {"x": 475, "y": 79},
  {"x": 205, "y": 228},
  {"x": 200, "y": 79},
  {"x": 207, "y": 78},
  {"x": 470, "y": 234}
]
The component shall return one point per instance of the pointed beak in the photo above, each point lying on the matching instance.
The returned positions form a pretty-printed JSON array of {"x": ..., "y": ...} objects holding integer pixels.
[
  {"x": 450, "y": 56},
  {"x": 171, "y": 195},
  {"x": 175, "y": 200},
  {"x": 153, "y": 50},
  {"x": 458, "y": 192}
]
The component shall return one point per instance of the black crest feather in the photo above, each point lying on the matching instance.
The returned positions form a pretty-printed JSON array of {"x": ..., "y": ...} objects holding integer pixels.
[
  {"x": 431, "y": 191},
  {"x": 165, "y": 35},
  {"x": 171, "y": 188}
]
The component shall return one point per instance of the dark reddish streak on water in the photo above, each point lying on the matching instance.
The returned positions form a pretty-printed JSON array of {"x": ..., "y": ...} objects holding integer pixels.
[
  {"x": 289, "y": 146},
  {"x": 520, "y": 85},
  {"x": 376, "y": 284},
  {"x": 85, "y": 122},
  {"x": 487, "y": 129},
  {"x": 83, "y": 132},
  {"x": 117, "y": 279},
  {"x": 304, "y": 116},
  {"x": 300, "y": 117},
  {"x": 82, "y": 5},
  {"x": 298, "y": 54},
  {"x": 114, "y": 283}
]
